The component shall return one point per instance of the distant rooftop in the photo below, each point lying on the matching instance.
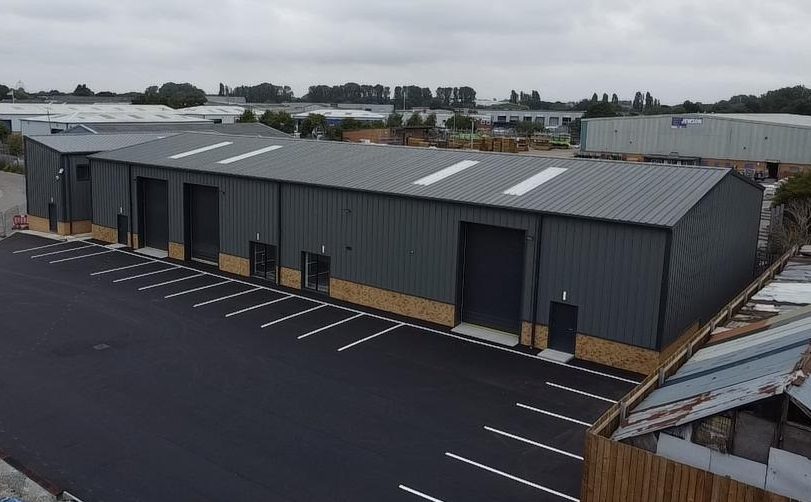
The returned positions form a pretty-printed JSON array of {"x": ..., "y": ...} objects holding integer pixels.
[
  {"x": 8, "y": 108},
  {"x": 211, "y": 110},
  {"x": 342, "y": 113},
  {"x": 92, "y": 143},
  {"x": 115, "y": 116},
  {"x": 242, "y": 129},
  {"x": 768, "y": 118}
]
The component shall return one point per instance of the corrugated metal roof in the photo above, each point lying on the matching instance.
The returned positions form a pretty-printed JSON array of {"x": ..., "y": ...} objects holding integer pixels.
[
  {"x": 341, "y": 113},
  {"x": 638, "y": 193},
  {"x": 124, "y": 117},
  {"x": 92, "y": 143},
  {"x": 211, "y": 110},
  {"x": 771, "y": 359},
  {"x": 242, "y": 129},
  {"x": 7, "y": 108}
]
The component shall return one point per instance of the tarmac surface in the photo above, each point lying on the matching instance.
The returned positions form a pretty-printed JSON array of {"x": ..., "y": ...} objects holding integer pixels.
[{"x": 127, "y": 378}]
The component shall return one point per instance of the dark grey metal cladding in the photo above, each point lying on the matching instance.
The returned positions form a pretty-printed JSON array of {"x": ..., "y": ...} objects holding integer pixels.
[
  {"x": 109, "y": 191},
  {"x": 81, "y": 195},
  {"x": 42, "y": 166},
  {"x": 712, "y": 255},
  {"x": 247, "y": 207},
  {"x": 395, "y": 243},
  {"x": 612, "y": 272}
]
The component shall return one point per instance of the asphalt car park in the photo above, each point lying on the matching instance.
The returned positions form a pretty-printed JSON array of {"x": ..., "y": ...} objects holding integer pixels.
[{"x": 124, "y": 377}]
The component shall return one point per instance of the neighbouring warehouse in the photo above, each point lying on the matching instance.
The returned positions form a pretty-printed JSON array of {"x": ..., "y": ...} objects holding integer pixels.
[
  {"x": 773, "y": 145},
  {"x": 610, "y": 261}
]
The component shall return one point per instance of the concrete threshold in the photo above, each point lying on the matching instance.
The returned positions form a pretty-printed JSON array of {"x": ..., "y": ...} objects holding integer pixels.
[
  {"x": 488, "y": 334},
  {"x": 152, "y": 252},
  {"x": 555, "y": 356}
]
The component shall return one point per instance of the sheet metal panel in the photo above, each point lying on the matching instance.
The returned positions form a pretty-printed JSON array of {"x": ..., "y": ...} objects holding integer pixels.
[
  {"x": 638, "y": 193},
  {"x": 612, "y": 272},
  {"x": 394, "y": 243},
  {"x": 81, "y": 193},
  {"x": 783, "y": 138},
  {"x": 42, "y": 166},
  {"x": 712, "y": 255}
]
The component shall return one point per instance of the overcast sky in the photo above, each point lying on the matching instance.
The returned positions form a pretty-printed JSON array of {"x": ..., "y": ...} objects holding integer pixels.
[{"x": 678, "y": 49}]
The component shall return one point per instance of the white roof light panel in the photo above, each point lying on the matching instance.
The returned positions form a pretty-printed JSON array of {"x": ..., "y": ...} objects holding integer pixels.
[
  {"x": 201, "y": 150},
  {"x": 534, "y": 181},
  {"x": 444, "y": 173},
  {"x": 254, "y": 153}
]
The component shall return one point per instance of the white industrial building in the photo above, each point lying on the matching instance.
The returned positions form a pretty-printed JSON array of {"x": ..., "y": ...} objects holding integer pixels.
[
  {"x": 219, "y": 114},
  {"x": 12, "y": 113},
  {"x": 51, "y": 124}
]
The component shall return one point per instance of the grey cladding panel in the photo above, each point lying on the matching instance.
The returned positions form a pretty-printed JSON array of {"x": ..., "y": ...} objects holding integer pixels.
[
  {"x": 81, "y": 196},
  {"x": 109, "y": 189},
  {"x": 388, "y": 242},
  {"x": 612, "y": 272},
  {"x": 42, "y": 168},
  {"x": 712, "y": 255}
]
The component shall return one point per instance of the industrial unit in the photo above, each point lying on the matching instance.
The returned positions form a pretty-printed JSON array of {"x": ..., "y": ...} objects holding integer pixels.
[
  {"x": 52, "y": 124},
  {"x": 757, "y": 145},
  {"x": 58, "y": 180},
  {"x": 12, "y": 113},
  {"x": 609, "y": 261}
]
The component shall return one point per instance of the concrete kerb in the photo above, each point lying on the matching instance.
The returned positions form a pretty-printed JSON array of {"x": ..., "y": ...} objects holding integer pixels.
[{"x": 383, "y": 318}]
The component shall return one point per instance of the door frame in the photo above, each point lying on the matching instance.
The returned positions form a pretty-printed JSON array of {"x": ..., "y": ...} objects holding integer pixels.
[
  {"x": 126, "y": 220},
  {"x": 53, "y": 218}
]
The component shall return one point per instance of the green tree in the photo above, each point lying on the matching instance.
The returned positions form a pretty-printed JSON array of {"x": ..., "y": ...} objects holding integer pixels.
[
  {"x": 15, "y": 144},
  {"x": 4, "y": 132},
  {"x": 415, "y": 120},
  {"x": 394, "y": 120},
  {"x": 430, "y": 120},
  {"x": 796, "y": 187},
  {"x": 171, "y": 94},
  {"x": 4, "y": 92},
  {"x": 280, "y": 120},
  {"x": 605, "y": 97},
  {"x": 82, "y": 90},
  {"x": 527, "y": 128},
  {"x": 459, "y": 122},
  {"x": 315, "y": 123},
  {"x": 350, "y": 124},
  {"x": 594, "y": 98},
  {"x": 600, "y": 109},
  {"x": 247, "y": 116},
  {"x": 615, "y": 100}
]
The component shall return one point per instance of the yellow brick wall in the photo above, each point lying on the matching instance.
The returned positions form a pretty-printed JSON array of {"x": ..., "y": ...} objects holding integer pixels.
[
  {"x": 615, "y": 354},
  {"x": 177, "y": 251},
  {"x": 390, "y": 301},
  {"x": 105, "y": 234},
  {"x": 38, "y": 224},
  {"x": 290, "y": 277},
  {"x": 235, "y": 264},
  {"x": 541, "y": 335}
]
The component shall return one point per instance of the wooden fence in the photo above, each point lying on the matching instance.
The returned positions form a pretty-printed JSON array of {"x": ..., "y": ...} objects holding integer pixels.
[{"x": 614, "y": 471}]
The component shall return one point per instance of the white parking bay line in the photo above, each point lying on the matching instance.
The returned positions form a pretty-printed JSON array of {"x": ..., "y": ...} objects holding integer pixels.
[
  {"x": 60, "y": 252},
  {"x": 146, "y": 274},
  {"x": 83, "y": 256},
  {"x": 398, "y": 325},
  {"x": 271, "y": 323},
  {"x": 549, "y": 413},
  {"x": 305, "y": 335},
  {"x": 533, "y": 443},
  {"x": 582, "y": 393},
  {"x": 164, "y": 283},
  {"x": 100, "y": 272},
  {"x": 197, "y": 289},
  {"x": 41, "y": 247},
  {"x": 226, "y": 297},
  {"x": 510, "y": 476},
  {"x": 418, "y": 493},
  {"x": 240, "y": 311}
]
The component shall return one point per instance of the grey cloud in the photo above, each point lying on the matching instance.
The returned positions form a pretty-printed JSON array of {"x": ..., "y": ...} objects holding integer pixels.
[{"x": 696, "y": 49}]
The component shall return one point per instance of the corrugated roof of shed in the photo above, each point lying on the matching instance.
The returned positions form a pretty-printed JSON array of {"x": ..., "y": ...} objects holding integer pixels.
[
  {"x": 630, "y": 192},
  {"x": 87, "y": 143}
]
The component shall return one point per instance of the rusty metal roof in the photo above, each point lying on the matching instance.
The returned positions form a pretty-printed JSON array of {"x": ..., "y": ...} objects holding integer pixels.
[{"x": 769, "y": 359}]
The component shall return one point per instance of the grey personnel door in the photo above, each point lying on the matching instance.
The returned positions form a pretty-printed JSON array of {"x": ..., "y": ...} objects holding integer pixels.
[{"x": 562, "y": 327}]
